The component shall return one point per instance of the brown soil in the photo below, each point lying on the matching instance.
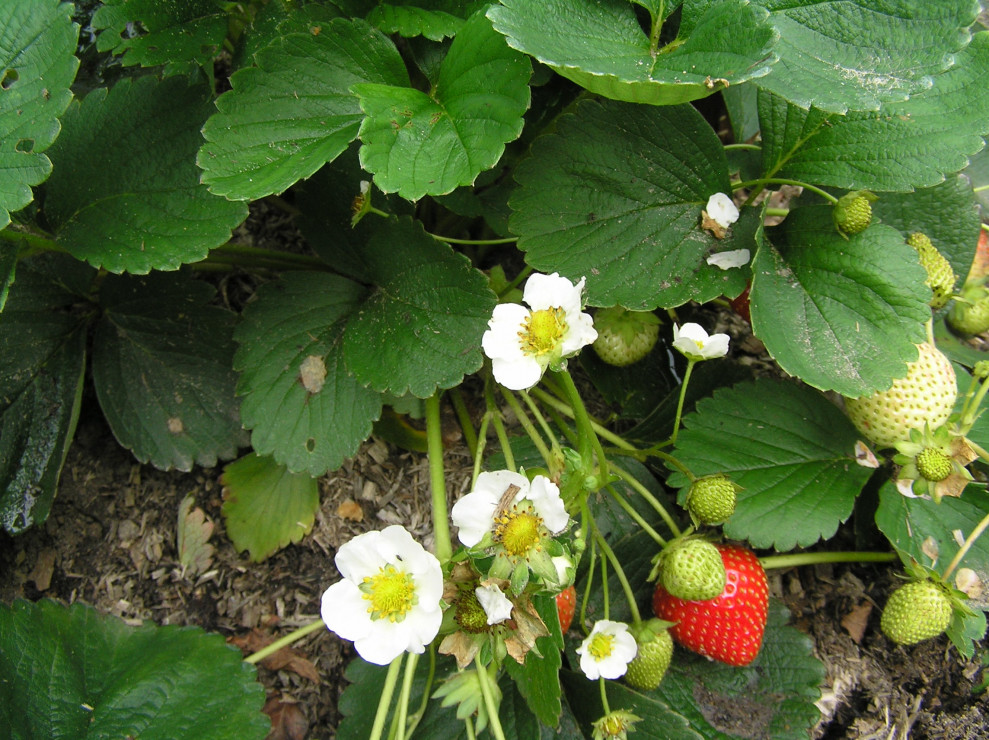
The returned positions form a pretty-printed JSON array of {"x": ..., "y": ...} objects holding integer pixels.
[{"x": 110, "y": 542}]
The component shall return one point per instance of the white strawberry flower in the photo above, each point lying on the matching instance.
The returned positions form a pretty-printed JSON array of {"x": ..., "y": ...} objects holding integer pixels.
[
  {"x": 389, "y": 599},
  {"x": 694, "y": 343},
  {"x": 607, "y": 651},
  {"x": 722, "y": 210},
  {"x": 495, "y": 604},
  {"x": 514, "y": 519},
  {"x": 522, "y": 342}
]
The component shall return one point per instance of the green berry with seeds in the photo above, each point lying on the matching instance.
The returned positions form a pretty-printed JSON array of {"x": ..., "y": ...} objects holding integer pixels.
[
  {"x": 655, "y": 651},
  {"x": 624, "y": 337},
  {"x": 941, "y": 277},
  {"x": 692, "y": 569},
  {"x": 711, "y": 499},
  {"x": 933, "y": 464},
  {"x": 916, "y": 611},
  {"x": 852, "y": 213},
  {"x": 970, "y": 314}
]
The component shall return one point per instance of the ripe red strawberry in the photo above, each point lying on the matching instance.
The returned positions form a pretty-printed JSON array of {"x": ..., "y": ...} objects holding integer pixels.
[
  {"x": 566, "y": 604},
  {"x": 728, "y": 628}
]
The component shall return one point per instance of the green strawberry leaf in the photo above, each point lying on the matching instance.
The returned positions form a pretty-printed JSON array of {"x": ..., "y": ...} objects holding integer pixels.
[
  {"x": 409, "y": 21},
  {"x": 42, "y": 362},
  {"x": 772, "y": 697},
  {"x": 978, "y": 173},
  {"x": 905, "y": 145},
  {"x": 37, "y": 66},
  {"x": 638, "y": 388},
  {"x": 658, "y": 720},
  {"x": 125, "y": 193},
  {"x": 841, "y": 56},
  {"x": 8, "y": 270},
  {"x": 790, "y": 449},
  {"x": 742, "y": 102},
  {"x": 926, "y": 532},
  {"x": 72, "y": 672},
  {"x": 265, "y": 507},
  {"x": 280, "y": 18},
  {"x": 602, "y": 47},
  {"x": 538, "y": 679},
  {"x": 162, "y": 370},
  {"x": 181, "y": 36},
  {"x": 290, "y": 333},
  {"x": 840, "y": 314},
  {"x": 966, "y": 630},
  {"x": 635, "y": 181},
  {"x": 287, "y": 116},
  {"x": 420, "y": 327},
  {"x": 428, "y": 144},
  {"x": 948, "y": 213}
]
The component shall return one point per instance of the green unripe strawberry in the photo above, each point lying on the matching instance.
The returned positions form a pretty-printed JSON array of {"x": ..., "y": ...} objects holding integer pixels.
[
  {"x": 853, "y": 212},
  {"x": 926, "y": 394},
  {"x": 970, "y": 315},
  {"x": 916, "y": 611},
  {"x": 624, "y": 337},
  {"x": 941, "y": 277},
  {"x": 711, "y": 499},
  {"x": 692, "y": 569},
  {"x": 933, "y": 464},
  {"x": 647, "y": 668}
]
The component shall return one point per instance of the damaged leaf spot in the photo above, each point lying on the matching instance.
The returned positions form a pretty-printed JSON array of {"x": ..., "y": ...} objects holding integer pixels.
[
  {"x": 312, "y": 374},
  {"x": 175, "y": 425}
]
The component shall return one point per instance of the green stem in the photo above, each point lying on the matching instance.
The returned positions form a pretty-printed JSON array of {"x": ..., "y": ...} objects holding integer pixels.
[
  {"x": 285, "y": 258},
  {"x": 488, "y": 695},
  {"x": 427, "y": 690},
  {"x": 499, "y": 425},
  {"x": 437, "y": 477},
  {"x": 401, "y": 715},
  {"x": 777, "y": 212},
  {"x": 813, "y": 558},
  {"x": 588, "y": 443},
  {"x": 527, "y": 425},
  {"x": 782, "y": 181},
  {"x": 743, "y": 147},
  {"x": 523, "y": 274},
  {"x": 979, "y": 190},
  {"x": 604, "y": 696},
  {"x": 451, "y": 240},
  {"x": 985, "y": 227},
  {"x": 683, "y": 396},
  {"x": 967, "y": 545},
  {"x": 657, "y": 28},
  {"x": 463, "y": 416},
  {"x": 647, "y": 495},
  {"x": 541, "y": 420},
  {"x": 599, "y": 429},
  {"x": 619, "y": 572},
  {"x": 592, "y": 555},
  {"x": 281, "y": 642},
  {"x": 482, "y": 440},
  {"x": 606, "y": 595},
  {"x": 31, "y": 243},
  {"x": 384, "y": 701},
  {"x": 630, "y": 510},
  {"x": 656, "y": 452}
]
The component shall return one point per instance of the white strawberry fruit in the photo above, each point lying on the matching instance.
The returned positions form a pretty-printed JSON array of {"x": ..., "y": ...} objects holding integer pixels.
[{"x": 925, "y": 395}]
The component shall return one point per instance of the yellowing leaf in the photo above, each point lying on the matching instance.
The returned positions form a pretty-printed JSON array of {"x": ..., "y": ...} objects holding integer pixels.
[{"x": 194, "y": 531}]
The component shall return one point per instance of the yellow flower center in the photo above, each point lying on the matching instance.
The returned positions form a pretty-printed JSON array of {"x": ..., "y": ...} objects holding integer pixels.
[
  {"x": 392, "y": 594},
  {"x": 601, "y": 645},
  {"x": 518, "y": 531},
  {"x": 542, "y": 331}
]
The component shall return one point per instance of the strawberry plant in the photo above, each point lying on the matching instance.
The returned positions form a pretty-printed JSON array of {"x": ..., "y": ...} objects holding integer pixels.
[{"x": 484, "y": 192}]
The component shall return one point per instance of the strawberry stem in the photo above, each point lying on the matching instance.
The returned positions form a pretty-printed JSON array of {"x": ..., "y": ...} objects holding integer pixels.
[
  {"x": 647, "y": 495},
  {"x": 384, "y": 701},
  {"x": 499, "y": 425},
  {"x": 463, "y": 417},
  {"x": 285, "y": 641},
  {"x": 620, "y": 500},
  {"x": 529, "y": 427},
  {"x": 399, "y": 721},
  {"x": 782, "y": 181},
  {"x": 967, "y": 545},
  {"x": 813, "y": 558},
  {"x": 564, "y": 408},
  {"x": 494, "y": 722},
  {"x": 619, "y": 572},
  {"x": 437, "y": 478}
]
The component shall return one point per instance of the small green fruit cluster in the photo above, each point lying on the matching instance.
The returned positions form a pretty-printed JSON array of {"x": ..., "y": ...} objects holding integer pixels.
[
  {"x": 941, "y": 277},
  {"x": 711, "y": 499},
  {"x": 852, "y": 213},
  {"x": 916, "y": 611},
  {"x": 655, "y": 651}
]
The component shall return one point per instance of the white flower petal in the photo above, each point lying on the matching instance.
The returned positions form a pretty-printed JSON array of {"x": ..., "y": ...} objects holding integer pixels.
[
  {"x": 517, "y": 375},
  {"x": 580, "y": 333},
  {"x": 615, "y": 663},
  {"x": 722, "y": 210},
  {"x": 501, "y": 340},
  {"x": 344, "y": 610},
  {"x": 474, "y": 513},
  {"x": 545, "y": 497},
  {"x": 495, "y": 604},
  {"x": 731, "y": 259},
  {"x": 553, "y": 291},
  {"x": 693, "y": 342}
]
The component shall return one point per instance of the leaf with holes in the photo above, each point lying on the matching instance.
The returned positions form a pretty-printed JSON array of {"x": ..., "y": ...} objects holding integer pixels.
[
  {"x": 840, "y": 314},
  {"x": 300, "y": 402},
  {"x": 162, "y": 370},
  {"x": 601, "y": 46},
  {"x": 37, "y": 66},
  {"x": 73, "y": 672},
  {"x": 790, "y": 449},
  {"x": 615, "y": 195},
  {"x": 125, "y": 194},
  {"x": 181, "y": 36},
  {"x": 265, "y": 507},
  {"x": 418, "y": 144},
  {"x": 841, "y": 56},
  {"x": 292, "y": 111},
  {"x": 420, "y": 327}
]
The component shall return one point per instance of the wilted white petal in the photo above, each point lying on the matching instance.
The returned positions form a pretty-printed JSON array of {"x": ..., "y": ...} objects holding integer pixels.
[
  {"x": 730, "y": 259},
  {"x": 545, "y": 497},
  {"x": 722, "y": 210},
  {"x": 495, "y": 604}
]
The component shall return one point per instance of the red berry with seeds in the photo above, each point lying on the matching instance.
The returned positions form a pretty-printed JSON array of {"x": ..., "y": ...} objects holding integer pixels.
[
  {"x": 566, "y": 604},
  {"x": 728, "y": 628}
]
